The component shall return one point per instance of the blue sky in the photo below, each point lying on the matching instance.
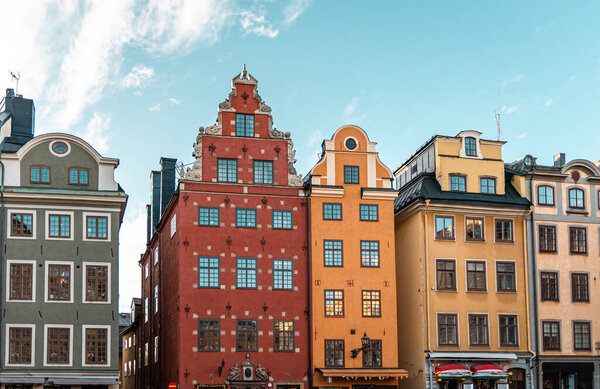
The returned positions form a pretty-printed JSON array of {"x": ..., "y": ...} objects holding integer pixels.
[{"x": 137, "y": 78}]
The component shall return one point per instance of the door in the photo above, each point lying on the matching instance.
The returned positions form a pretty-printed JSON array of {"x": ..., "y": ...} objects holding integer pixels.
[{"x": 516, "y": 378}]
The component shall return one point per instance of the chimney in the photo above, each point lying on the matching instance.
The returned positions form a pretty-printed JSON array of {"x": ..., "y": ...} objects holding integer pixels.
[
  {"x": 167, "y": 183},
  {"x": 155, "y": 199},
  {"x": 22, "y": 113},
  {"x": 559, "y": 160},
  {"x": 148, "y": 222}
]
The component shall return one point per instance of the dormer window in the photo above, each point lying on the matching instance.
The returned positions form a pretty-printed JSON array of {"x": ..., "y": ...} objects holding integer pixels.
[
  {"x": 470, "y": 146},
  {"x": 244, "y": 125},
  {"x": 458, "y": 183},
  {"x": 488, "y": 185},
  {"x": 576, "y": 198},
  {"x": 40, "y": 174},
  {"x": 78, "y": 176}
]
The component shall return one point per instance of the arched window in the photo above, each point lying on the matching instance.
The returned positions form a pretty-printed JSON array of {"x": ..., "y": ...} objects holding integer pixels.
[
  {"x": 470, "y": 146},
  {"x": 545, "y": 195},
  {"x": 576, "y": 198}
]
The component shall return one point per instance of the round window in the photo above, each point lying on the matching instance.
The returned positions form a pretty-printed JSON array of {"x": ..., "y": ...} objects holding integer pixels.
[
  {"x": 59, "y": 147},
  {"x": 350, "y": 144}
]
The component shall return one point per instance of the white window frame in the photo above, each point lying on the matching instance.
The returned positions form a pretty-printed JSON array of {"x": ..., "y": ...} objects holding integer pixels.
[
  {"x": 33, "y": 280},
  {"x": 146, "y": 271},
  {"x": 108, "y": 341},
  {"x": 155, "y": 254},
  {"x": 48, "y": 263},
  {"x": 9, "y": 223},
  {"x": 155, "y": 299},
  {"x": 84, "y": 226},
  {"x": 59, "y": 212},
  {"x": 70, "y": 327},
  {"x": 6, "y": 347},
  {"x": 146, "y": 310},
  {"x": 84, "y": 266},
  {"x": 173, "y": 225}
]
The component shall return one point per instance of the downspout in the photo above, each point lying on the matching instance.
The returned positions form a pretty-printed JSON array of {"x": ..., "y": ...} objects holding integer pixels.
[
  {"x": 534, "y": 286},
  {"x": 426, "y": 294},
  {"x": 309, "y": 282}
]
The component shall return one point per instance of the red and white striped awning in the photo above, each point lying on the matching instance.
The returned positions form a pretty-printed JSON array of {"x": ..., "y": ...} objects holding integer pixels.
[{"x": 488, "y": 371}]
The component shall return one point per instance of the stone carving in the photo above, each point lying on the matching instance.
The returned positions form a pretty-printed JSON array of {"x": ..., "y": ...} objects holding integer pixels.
[
  {"x": 264, "y": 107},
  {"x": 195, "y": 172},
  {"x": 226, "y": 104},
  {"x": 261, "y": 373},
  {"x": 275, "y": 133},
  {"x": 294, "y": 179},
  {"x": 215, "y": 129},
  {"x": 234, "y": 372}
]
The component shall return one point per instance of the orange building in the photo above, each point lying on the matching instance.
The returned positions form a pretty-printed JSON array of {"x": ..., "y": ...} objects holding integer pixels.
[{"x": 353, "y": 286}]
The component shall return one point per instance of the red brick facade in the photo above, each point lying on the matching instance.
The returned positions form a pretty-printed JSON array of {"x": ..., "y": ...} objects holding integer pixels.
[{"x": 217, "y": 279}]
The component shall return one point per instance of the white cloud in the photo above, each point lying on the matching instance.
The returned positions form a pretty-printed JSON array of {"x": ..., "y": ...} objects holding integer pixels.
[
  {"x": 315, "y": 139},
  {"x": 522, "y": 135},
  {"x": 511, "y": 80},
  {"x": 350, "y": 115},
  {"x": 293, "y": 10},
  {"x": 351, "y": 107},
  {"x": 154, "y": 108},
  {"x": 174, "y": 101},
  {"x": 252, "y": 23},
  {"x": 132, "y": 244},
  {"x": 137, "y": 76},
  {"x": 548, "y": 103},
  {"x": 97, "y": 132},
  {"x": 510, "y": 109}
]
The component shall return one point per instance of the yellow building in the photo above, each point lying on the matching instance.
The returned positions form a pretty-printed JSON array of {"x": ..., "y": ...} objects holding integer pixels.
[
  {"x": 353, "y": 294},
  {"x": 461, "y": 267}
]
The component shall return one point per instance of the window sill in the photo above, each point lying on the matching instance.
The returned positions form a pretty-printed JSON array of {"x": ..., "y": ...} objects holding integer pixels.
[
  {"x": 475, "y": 240},
  {"x": 476, "y": 291},
  {"x": 584, "y": 254},
  {"x": 576, "y": 211},
  {"x": 505, "y": 241},
  {"x": 446, "y": 290},
  {"x": 507, "y": 291}
]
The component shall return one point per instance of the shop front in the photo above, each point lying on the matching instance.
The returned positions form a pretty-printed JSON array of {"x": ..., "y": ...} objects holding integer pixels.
[
  {"x": 573, "y": 375},
  {"x": 380, "y": 378}
]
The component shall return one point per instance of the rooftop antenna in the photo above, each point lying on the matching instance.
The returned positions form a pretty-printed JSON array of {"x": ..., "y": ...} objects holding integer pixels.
[
  {"x": 15, "y": 77},
  {"x": 497, "y": 111}
]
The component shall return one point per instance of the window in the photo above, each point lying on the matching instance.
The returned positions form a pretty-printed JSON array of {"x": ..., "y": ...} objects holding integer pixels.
[
  {"x": 209, "y": 335},
  {"x": 505, "y": 277},
  {"x": 263, "y": 172},
  {"x": 487, "y": 185},
  {"x": 504, "y": 230},
  {"x": 577, "y": 240},
  {"x": 59, "y": 282},
  {"x": 96, "y": 281},
  {"x": 20, "y": 345},
  {"x": 146, "y": 271},
  {"x": 247, "y": 335},
  {"x": 369, "y": 212},
  {"x": 351, "y": 175},
  {"x": 226, "y": 170},
  {"x": 448, "y": 329},
  {"x": 156, "y": 255},
  {"x": 59, "y": 226},
  {"x": 208, "y": 272},
  {"x": 458, "y": 183},
  {"x": 474, "y": 228},
  {"x": 283, "y": 335},
  {"x": 478, "y": 330},
  {"x": 508, "y": 330},
  {"x": 155, "y": 298},
  {"x": 333, "y": 253},
  {"x": 58, "y": 345},
  {"x": 470, "y": 146},
  {"x": 372, "y": 354},
  {"x": 444, "y": 227},
  {"x": 545, "y": 195},
  {"x": 146, "y": 354},
  {"x": 40, "y": 175},
  {"x": 97, "y": 227},
  {"x": 549, "y": 286},
  {"x": 283, "y": 274},
  {"x": 445, "y": 270},
  {"x": 173, "y": 225},
  {"x": 334, "y": 303},
  {"x": 581, "y": 336},
  {"x": 245, "y": 217},
  {"x": 579, "y": 287},
  {"x": 246, "y": 273},
  {"x": 369, "y": 253},
  {"x": 155, "y": 349},
  {"x": 282, "y": 220},
  {"x": 332, "y": 211},
  {"x": 244, "y": 124},
  {"x": 60, "y": 147},
  {"x": 21, "y": 281},
  {"x": 146, "y": 310},
  {"x": 96, "y": 346},
  {"x": 208, "y": 216},
  {"x": 371, "y": 303},
  {"x": 350, "y": 144},
  {"x": 334, "y": 352},
  {"x": 547, "y": 239},
  {"x": 21, "y": 224},
  {"x": 78, "y": 176},
  {"x": 476, "y": 276},
  {"x": 551, "y": 335},
  {"x": 576, "y": 198}
]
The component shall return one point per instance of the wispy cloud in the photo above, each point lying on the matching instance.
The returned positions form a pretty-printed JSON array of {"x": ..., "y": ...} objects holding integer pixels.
[
  {"x": 293, "y": 10},
  {"x": 548, "y": 103},
  {"x": 97, "y": 132},
  {"x": 137, "y": 75},
  {"x": 509, "y": 110},
  {"x": 350, "y": 114},
  {"x": 154, "y": 108},
  {"x": 174, "y": 101},
  {"x": 257, "y": 24},
  {"x": 511, "y": 80},
  {"x": 522, "y": 135}
]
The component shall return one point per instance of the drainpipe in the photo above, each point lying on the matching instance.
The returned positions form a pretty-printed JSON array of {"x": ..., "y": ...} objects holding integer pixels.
[
  {"x": 426, "y": 293},
  {"x": 534, "y": 286},
  {"x": 309, "y": 290}
]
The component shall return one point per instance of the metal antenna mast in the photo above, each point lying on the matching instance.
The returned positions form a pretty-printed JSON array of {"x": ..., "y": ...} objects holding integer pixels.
[{"x": 16, "y": 77}]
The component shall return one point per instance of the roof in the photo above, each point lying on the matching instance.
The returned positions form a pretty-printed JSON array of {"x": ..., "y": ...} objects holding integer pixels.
[
  {"x": 426, "y": 187},
  {"x": 124, "y": 319}
]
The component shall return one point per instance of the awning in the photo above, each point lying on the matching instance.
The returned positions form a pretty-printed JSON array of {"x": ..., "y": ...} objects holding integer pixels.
[
  {"x": 21, "y": 380},
  {"x": 451, "y": 371},
  {"x": 364, "y": 373},
  {"x": 487, "y": 371},
  {"x": 64, "y": 380},
  {"x": 487, "y": 356}
]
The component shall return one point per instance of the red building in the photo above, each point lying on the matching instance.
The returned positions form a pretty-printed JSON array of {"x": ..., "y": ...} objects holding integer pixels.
[{"x": 225, "y": 275}]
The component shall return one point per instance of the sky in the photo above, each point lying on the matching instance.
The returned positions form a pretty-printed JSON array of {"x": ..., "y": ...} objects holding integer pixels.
[{"x": 137, "y": 78}]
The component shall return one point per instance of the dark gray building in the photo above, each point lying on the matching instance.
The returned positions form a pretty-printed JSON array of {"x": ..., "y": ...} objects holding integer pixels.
[{"x": 61, "y": 211}]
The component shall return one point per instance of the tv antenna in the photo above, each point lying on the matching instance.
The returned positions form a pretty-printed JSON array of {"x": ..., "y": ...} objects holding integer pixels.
[
  {"x": 15, "y": 77},
  {"x": 497, "y": 111}
]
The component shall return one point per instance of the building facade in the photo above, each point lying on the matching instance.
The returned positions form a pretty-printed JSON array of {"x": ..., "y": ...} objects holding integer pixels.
[
  {"x": 225, "y": 275},
  {"x": 461, "y": 267},
  {"x": 61, "y": 214},
  {"x": 353, "y": 287},
  {"x": 130, "y": 377},
  {"x": 564, "y": 261}
]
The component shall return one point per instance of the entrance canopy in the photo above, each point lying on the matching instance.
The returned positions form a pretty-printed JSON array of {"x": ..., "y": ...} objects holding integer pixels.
[
  {"x": 488, "y": 371},
  {"x": 451, "y": 371},
  {"x": 364, "y": 373}
]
